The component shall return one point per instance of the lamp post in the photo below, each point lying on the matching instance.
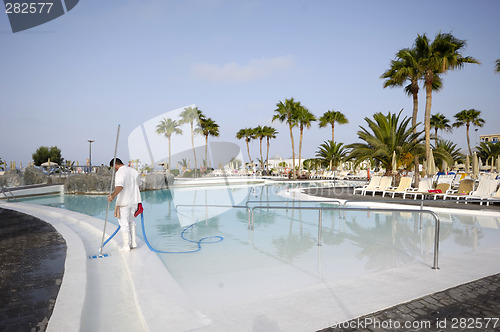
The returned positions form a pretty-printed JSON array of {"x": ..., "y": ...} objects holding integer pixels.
[{"x": 90, "y": 155}]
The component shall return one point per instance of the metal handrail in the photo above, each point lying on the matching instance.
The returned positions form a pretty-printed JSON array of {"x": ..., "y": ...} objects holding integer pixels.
[
  {"x": 321, "y": 208},
  {"x": 10, "y": 192}
]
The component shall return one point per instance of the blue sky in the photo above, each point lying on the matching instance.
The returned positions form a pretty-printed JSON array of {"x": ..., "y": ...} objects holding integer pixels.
[{"x": 125, "y": 61}]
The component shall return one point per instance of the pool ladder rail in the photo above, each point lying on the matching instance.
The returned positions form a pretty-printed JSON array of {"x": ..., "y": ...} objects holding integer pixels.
[
  {"x": 341, "y": 207},
  {"x": 5, "y": 191}
]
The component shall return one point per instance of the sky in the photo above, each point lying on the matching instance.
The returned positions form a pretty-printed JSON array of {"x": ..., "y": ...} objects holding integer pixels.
[{"x": 122, "y": 62}]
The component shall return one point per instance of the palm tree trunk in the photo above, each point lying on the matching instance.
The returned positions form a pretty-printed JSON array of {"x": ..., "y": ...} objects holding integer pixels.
[
  {"x": 206, "y": 151},
  {"x": 192, "y": 144},
  {"x": 333, "y": 131},
  {"x": 169, "y": 152},
  {"x": 435, "y": 138},
  {"x": 248, "y": 151},
  {"x": 300, "y": 146},
  {"x": 293, "y": 152},
  {"x": 267, "y": 155},
  {"x": 414, "y": 125},
  {"x": 427, "y": 121},
  {"x": 468, "y": 140},
  {"x": 261, "y": 157}
]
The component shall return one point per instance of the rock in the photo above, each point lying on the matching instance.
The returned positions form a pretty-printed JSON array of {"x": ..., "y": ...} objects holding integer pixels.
[
  {"x": 87, "y": 184},
  {"x": 33, "y": 175},
  {"x": 12, "y": 178},
  {"x": 103, "y": 170},
  {"x": 154, "y": 181}
]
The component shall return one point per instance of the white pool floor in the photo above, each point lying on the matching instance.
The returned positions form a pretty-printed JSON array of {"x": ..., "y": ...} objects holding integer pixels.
[{"x": 259, "y": 291}]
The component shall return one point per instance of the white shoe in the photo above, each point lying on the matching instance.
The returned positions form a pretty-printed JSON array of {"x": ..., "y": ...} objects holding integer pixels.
[
  {"x": 126, "y": 242},
  {"x": 133, "y": 242}
]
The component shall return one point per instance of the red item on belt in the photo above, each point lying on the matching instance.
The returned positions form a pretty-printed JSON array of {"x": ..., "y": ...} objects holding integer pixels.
[{"x": 139, "y": 210}]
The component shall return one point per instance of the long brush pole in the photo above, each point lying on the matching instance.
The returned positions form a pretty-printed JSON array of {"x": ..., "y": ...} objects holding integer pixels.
[{"x": 110, "y": 191}]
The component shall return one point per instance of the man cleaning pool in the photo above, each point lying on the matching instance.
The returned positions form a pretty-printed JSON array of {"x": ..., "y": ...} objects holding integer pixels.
[{"x": 128, "y": 200}]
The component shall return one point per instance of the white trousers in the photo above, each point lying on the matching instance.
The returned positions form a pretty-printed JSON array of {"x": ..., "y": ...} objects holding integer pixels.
[{"x": 127, "y": 217}]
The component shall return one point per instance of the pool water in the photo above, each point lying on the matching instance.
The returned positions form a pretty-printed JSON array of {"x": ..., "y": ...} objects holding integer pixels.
[{"x": 281, "y": 253}]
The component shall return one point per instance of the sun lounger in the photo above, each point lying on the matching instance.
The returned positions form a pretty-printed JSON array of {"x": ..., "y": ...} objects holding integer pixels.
[
  {"x": 494, "y": 198},
  {"x": 485, "y": 189},
  {"x": 385, "y": 183},
  {"x": 403, "y": 186},
  {"x": 374, "y": 182},
  {"x": 423, "y": 188},
  {"x": 465, "y": 187},
  {"x": 442, "y": 189}
]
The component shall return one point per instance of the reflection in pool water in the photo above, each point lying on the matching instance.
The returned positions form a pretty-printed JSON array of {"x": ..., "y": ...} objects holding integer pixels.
[{"x": 281, "y": 253}]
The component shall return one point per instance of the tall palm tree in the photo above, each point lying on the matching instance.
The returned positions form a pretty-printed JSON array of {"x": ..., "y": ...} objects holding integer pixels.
[
  {"x": 269, "y": 132},
  {"x": 330, "y": 117},
  {"x": 286, "y": 112},
  {"x": 260, "y": 134},
  {"x": 439, "y": 122},
  {"x": 435, "y": 59},
  {"x": 191, "y": 115},
  {"x": 248, "y": 135},
  {"x": 405, "y": 68},
  {"x": 467, "y": 118},
  {"x": 167, "y": 127},
  {"x": 331, "y": 154},
  {"x": 386, "y": 134},
  {"x": 304, "y": 118},
  {"x": 208, "y": 127}
]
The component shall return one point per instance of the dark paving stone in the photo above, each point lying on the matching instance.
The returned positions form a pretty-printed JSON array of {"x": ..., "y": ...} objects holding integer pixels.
[{"x": 32, "y": 256}]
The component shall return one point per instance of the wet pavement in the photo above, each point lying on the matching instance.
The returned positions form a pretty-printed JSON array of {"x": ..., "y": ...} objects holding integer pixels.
[{"x": 32, "y": 256}]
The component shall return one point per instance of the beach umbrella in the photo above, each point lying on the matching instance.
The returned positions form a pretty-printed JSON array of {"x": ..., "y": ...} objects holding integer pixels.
[
  {"x": 498, "y": 163},
  {"x": 49, "y": 163},
  {"x": 445, "y": 166},
  {"x": 467, "y": 163},
  {"x": 431, "y": 164},
  {"x": 475, "y": 166},
  {"x": 394, "y": 162}
]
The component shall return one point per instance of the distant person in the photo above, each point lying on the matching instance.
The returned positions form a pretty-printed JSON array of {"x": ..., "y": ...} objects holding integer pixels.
[{"x": 128, "y": 199}]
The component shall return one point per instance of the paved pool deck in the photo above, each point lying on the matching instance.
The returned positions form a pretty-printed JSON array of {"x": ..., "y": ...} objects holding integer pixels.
[{"x": 132, "y": 292}]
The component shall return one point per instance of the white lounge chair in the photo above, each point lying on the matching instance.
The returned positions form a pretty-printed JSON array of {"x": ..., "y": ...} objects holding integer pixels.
[
  {"x": 485, "y": 189},
  {"x": 424, "y": 186},
  {"x": 374, "y": 183},
  {"x": 403, "y": 186},
  {"x": 385, "y": 183}
]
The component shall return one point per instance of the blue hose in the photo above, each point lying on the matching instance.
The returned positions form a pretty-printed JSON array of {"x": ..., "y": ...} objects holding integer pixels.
[{"x": 199, "y": 242}]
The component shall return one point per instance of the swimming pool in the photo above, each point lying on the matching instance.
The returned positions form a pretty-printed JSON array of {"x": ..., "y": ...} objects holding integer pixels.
[{"x": 281, "y": 254}]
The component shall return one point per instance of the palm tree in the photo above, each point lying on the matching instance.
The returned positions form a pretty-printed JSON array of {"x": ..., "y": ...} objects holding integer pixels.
[
  {"x": 248, "y": 134},
  {"x": 450, "y": 148},
  {"x": 497, "y": 66},
  {"x": 331, "y": 154},
  {"x": 488, "y": 150},
  {"x": 269, "y": 132},
  {"x": 167, "y": 127},
  {"x": 192, "y": 116},
  {"x": 467, "y": 118},
  {"x": 304, "y": 118},
  {"x": 435, "y": 59},
  {"x": 285, "y": 112},
  {"x": 439, "y": 122},
  {"x": 386, "y": 134},
  {"x": 406, "y": 68},
  {"x": 208, "y": 127},
  {"x": 259, "y": 133},
  {"x": 330, "y": 117}
]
